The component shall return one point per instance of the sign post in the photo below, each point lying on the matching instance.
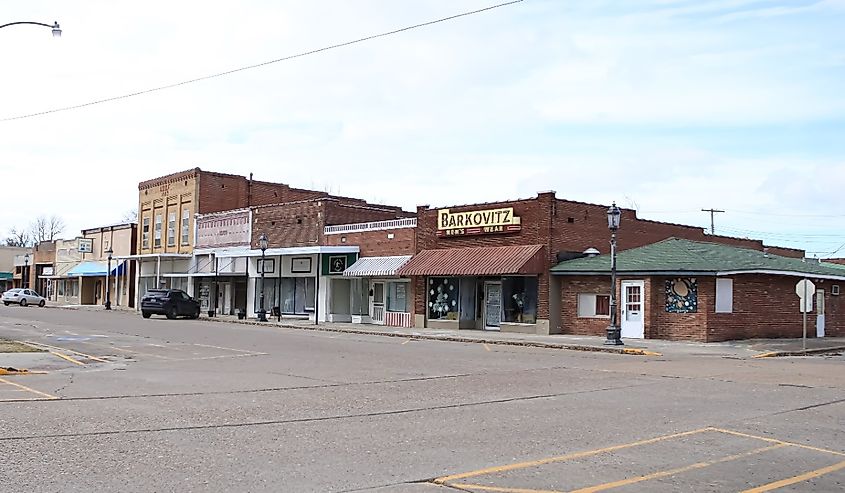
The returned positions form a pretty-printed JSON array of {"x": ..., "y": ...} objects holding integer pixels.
[{"x": 803, "y": 290}]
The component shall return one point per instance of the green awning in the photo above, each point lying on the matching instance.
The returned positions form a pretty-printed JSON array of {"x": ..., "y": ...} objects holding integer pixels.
[{"x": 5, "y": 275}]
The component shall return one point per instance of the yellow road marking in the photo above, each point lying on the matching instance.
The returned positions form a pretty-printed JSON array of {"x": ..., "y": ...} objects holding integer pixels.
[
  {"x": 88, "y": 356},
  {"x": 496, "y": 489},
  {"x": 68, "y": 358},
  {"x": 406, "y": 342},
  {"x": 562, "y": 458},
  {"x": 641, "y": 352},
  {"x": 797, "y": 479},
  {"x": 229, "y": 349},
  {"x": 774, "y": 440},
  {"x": 486, "y": 347},
  {"x": 678, "y": 470},
  {"x": 24, "y": 387}
]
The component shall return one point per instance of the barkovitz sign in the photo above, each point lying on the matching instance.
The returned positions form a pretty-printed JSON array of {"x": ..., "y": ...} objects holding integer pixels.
[{"x": 488, "y": 221}]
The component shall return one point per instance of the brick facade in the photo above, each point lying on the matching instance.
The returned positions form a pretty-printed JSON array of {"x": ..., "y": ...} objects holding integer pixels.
[
  {"x": 380, "y": 243},
  {"x": 764, "y": 306},
  {"x": 302, "y": 223},
  {"x": 564, "y": 226}
]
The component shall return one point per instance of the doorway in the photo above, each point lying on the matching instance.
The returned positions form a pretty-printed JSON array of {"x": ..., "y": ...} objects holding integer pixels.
[
  {"x": 820, "y": 313},
  {"x": 633, "y": 324},
  {"x": 377, "y": 303},
  {"x": 492, "y": 305}
]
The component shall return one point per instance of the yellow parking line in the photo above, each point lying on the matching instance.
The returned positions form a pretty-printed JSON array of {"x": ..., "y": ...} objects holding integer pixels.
[
  {"x": 24, "y": 387},
  {"x": 576, "y": 455},
  {"x": 774, "y": 440},
  {"x": 68, "y": 358},
  {"x": 88, "y": 356},
  {"x": 496, "y": 489},
  {"x": 678, "y": 470},
  {"x": 797, "y": 479},
  {"x": 486, "y": 347},
  {"x": 406, "y": 342}
]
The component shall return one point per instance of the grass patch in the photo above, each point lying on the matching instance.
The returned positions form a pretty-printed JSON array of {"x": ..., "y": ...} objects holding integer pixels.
[{"x": 9, "y": 346}]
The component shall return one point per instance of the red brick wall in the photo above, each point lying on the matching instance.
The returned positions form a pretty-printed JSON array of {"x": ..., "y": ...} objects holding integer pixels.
[
  {"x": 377, "y": 243},
  {"x": 301, "y": 223},
  {"x": 679, "y": 326}
]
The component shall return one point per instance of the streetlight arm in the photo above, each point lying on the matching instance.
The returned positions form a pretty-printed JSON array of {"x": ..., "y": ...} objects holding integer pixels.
[{"x": 28, "y": 22}]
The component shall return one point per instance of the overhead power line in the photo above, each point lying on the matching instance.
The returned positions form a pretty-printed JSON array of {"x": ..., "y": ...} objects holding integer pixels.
[{"x": 262, "y": 64}]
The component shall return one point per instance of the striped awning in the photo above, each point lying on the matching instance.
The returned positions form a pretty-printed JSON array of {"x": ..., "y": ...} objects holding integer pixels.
[
  {"x": 478, "y": 261},
  {"x": 376, "y": 266}
]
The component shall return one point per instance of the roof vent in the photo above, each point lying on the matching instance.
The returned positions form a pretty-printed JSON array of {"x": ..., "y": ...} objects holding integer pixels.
[{"x": 591, "y": 252}]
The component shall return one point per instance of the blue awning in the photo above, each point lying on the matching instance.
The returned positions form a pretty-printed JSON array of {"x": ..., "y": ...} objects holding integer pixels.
[{"x": 94, "y": 269}]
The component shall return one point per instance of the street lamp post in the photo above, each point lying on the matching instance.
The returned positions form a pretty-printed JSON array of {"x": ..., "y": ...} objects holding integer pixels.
[
  {"x": 262, "y": 244},
  {"x": 25, "y": 276},
  {"x": 108, "y": 279},
  {"x": 57, "y": 31},
  {"x": 614, "y": 332}
]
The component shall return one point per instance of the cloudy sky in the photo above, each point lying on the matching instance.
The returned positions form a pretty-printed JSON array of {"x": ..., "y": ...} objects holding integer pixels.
[{"x": 664, "y": 106}]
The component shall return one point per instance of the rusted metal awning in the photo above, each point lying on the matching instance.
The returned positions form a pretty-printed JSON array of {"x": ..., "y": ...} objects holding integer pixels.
[{"x": 478, "y": 261}]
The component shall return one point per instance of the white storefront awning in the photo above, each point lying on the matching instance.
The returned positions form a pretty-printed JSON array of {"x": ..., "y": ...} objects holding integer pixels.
[{"x": 376, "y": 266}]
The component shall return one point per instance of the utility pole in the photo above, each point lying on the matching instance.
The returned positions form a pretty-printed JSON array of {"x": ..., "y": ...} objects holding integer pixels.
[{"x": 712, "y": 219}]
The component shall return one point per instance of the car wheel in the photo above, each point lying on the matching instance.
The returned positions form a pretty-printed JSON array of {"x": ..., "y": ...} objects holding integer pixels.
[
  {"x": 6, "y": 303},
  {"x": 146, "y": 314},
  {"x": 41, "y": 304},
  {"x": 23, "y": 302},
  {"x": 196, "y": 314},
  {"x": 171, "y": 313}
]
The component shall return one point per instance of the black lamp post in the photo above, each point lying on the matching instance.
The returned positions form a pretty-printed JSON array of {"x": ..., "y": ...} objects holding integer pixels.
[
  {"x": 108, "y": 279},
  {"x": 26, "y": 271},
  {"x": 262, "y": 244},
  {"x": 614, "y": 332},
  {"x": 57, "y": 31}
]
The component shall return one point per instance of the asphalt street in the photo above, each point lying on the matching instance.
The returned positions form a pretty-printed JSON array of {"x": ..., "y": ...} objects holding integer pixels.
[{"x": 128, "y": 404}]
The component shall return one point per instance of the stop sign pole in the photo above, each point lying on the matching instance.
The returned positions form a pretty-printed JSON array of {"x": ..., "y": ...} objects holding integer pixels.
[{"x": 802, "y": 289}]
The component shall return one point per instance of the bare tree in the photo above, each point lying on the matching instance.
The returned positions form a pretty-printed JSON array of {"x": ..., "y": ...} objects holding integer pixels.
[
  {"x": 46, "y": 229},
  {"x": 130, "y": 216},
  {"x": 18, "y": 238}
]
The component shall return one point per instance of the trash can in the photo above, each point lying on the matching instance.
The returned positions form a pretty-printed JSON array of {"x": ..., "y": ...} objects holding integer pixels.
[{"x": 241, "y": 314}]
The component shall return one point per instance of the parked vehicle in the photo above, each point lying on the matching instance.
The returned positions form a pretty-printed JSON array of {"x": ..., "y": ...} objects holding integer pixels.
[
  {"x": 171, "y": 303},
  {"x": 23, "y": 297}
]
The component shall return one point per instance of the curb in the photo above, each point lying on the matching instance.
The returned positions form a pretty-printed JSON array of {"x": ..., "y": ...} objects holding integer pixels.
[
  {"x": 13, "y": 371},
  {"x": 545, "y": 345},
  {"x": 799, "y": 352}
]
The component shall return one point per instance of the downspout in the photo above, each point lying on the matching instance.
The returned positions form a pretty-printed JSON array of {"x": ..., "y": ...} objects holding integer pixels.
[{"x": 317, "y": 290}]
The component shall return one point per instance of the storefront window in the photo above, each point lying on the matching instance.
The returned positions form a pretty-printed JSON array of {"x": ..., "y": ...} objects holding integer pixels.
[
  {"x": 360, "y": 297},
  {"x": 397, "y": 297},
  {"x": 297, "y": 295},
  {"x": 269, "y": 294},
  {"x": 443, "y": 296},
  {"x": 519, "y": 299}
]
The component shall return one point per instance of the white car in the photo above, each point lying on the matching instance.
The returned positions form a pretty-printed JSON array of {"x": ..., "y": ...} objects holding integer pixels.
[{"x": 23, "y": 297}]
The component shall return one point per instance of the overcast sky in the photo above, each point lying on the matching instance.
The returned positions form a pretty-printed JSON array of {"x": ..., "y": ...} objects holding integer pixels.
[{"x": 665, "y": 106}]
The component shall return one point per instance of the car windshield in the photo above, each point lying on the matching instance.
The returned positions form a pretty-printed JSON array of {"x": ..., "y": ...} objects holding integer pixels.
[
  {"x": 156, "y": 292},
  {"x": 15, "y": 290}
]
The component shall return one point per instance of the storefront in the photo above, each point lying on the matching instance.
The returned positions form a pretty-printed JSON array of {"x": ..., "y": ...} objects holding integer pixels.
[
  {"x": 296, "y": 280},
  {"x": 371, "y": 292},
  {"x": 686, "y": 290}
]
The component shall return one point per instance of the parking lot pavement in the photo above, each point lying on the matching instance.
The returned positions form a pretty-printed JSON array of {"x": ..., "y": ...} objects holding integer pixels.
[{"x": 159, "y": 405}]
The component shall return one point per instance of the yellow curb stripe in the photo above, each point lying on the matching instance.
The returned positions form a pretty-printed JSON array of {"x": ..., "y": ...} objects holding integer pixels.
[
  {"x": 496, "y": 489},
  {"x": 24, "y": 387},
  {"x": 678, "y": 470},
  {"x": 562, "y": 458},
  {"x": 88, "y": 356},
  {"x": 774, "y": 440},
  {"x": 68, "y": 358},
  {"x": 768, "y": 354},
  {"x": 797, "y": 479}
]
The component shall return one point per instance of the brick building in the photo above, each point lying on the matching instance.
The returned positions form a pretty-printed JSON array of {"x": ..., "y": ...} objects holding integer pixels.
[
  {"x": 167, "y": 210},
  {"x": 486, "y": 266},
  {"x": 684, "y": 290}
]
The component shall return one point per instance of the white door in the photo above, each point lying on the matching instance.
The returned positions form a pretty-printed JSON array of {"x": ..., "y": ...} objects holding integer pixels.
[
  {"x": 492, "y": 305},
  {"x": 820, "y": 313},
  {"x": 632, "y": 318},
  {"x": 377, "y": 303}
]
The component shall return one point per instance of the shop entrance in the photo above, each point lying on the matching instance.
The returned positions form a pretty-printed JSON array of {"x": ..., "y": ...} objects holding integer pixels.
[
  {"x": 377, "y": 303},
  {"x": 492, "y": 305}
]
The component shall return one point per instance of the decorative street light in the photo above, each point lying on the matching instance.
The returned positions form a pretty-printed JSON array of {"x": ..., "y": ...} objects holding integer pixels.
[
  {"x": 108, "y": 279},
  {"x": 614, "y": 333},
  {"x": 26, "y": 271},
  {"x": 262, "y": 244},
  {"x": 57, "y": 31}
]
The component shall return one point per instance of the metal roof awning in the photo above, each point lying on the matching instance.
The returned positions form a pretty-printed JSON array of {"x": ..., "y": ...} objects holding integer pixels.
[
  {"x": 94, "y": 269},
  {"x": 478, "y": 261},
  {"x": 376, "y": 266}
]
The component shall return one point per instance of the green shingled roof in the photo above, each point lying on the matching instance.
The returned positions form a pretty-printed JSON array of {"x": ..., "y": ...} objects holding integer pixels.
[{"x": 679, "y": 256}]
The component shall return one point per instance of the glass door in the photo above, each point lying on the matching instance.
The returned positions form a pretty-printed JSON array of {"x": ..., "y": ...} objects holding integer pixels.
[{"x": 492, "y": 305}]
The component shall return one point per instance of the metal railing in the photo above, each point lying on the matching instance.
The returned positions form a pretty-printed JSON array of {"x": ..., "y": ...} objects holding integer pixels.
[{"x": 409, "y": 222}]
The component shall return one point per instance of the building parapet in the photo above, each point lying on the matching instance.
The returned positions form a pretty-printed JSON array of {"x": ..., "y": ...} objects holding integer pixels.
[{"x": 409, "y": 222}]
